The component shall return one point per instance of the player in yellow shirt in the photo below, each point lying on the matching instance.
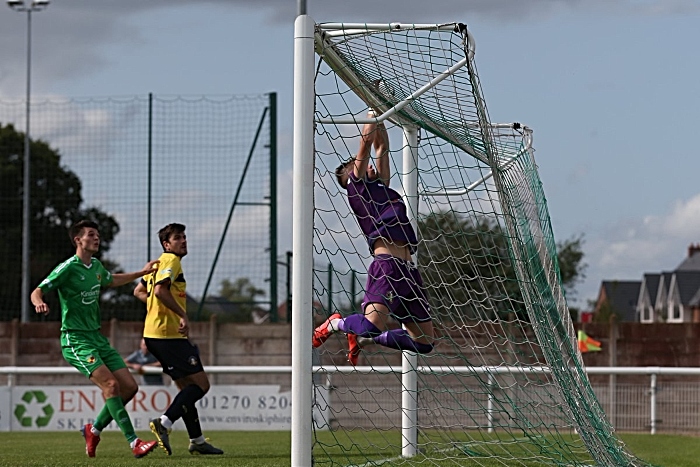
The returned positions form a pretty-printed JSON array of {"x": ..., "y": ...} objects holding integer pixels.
[{"x": 165, "y": 332}]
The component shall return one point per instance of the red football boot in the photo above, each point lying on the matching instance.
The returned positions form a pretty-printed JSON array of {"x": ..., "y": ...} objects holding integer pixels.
[
  {"x": 91, "y": 440},
  {"x": 142, "y": 448},
  {"x": 353, "y": 349},
  {"x": 323, "y": 331}
]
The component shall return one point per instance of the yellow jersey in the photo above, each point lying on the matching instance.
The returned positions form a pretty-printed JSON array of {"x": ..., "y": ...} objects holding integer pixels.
[{"x": 161, "y": 321}]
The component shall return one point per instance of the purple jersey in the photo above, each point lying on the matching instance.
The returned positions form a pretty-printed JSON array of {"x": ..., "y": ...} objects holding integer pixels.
[{"x": 381, "y": 212}]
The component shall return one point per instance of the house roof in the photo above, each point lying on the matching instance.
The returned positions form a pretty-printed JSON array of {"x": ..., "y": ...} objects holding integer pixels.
[
  {"x": 664, "y": 283},
  {"x": 691, "y": 262},
  {"x": 688, "y": 283},
  {"x": 651, "y": 283},
  {"x": 686, "y": 278},
  {"x": 622, "y": 297},
  {"x": 695, "y": 301}
]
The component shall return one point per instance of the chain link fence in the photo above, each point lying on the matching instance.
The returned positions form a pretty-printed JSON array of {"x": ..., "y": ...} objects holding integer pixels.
[{"x": 135, "y": 164}]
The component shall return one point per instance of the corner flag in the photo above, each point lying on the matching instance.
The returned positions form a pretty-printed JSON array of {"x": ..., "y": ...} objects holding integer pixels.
[{"x": 586, "y": 344}]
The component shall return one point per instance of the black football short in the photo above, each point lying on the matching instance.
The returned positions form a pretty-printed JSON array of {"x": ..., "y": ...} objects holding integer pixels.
[{"x": 178, "y": 357}]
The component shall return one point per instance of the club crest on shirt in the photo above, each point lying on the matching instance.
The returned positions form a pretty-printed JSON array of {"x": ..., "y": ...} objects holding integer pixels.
[
  {"x": 91, "y": 359},
  {"x": 192, "y": 360},
  {"x": 99, "y": 277}
]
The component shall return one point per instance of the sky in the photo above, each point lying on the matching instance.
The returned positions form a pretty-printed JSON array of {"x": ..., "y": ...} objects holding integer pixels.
[{"x": 609, "y": 88}]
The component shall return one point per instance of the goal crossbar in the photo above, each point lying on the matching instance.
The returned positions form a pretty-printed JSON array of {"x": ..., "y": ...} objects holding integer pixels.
[
  {"x": 508, "y": 161},
  {"x": 370, "y": 94}
]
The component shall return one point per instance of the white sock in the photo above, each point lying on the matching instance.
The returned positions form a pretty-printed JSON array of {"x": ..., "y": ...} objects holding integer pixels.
[
  {"x": 133, "y": 443},
  {"x": 199, "y": 440},
  {"x": 95, "y": 431},
  {"x": 333, "y": 324},
  {"x": 165, "y": 421}
]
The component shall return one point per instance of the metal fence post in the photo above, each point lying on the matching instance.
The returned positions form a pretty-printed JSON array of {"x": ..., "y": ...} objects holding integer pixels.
[
  {"x": 273, "y": 208},
  {"x": 489, "y": 406},
  {"x": 652, "y": 402},
  {"x": 149, "y": 203},
  {"x": 330, "y": 289}
]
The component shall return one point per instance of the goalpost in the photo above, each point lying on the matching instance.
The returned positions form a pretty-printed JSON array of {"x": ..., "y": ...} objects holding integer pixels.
[{"x": 505, "y": 384}]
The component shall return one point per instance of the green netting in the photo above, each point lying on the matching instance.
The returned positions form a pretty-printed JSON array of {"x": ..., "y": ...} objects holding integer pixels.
[{"x": 505, "y": 384}]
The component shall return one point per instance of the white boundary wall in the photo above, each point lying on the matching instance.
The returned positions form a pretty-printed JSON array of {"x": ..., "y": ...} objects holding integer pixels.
[
  {"x": 224, "y": 407},
  {"x": 67, "y": 408}
]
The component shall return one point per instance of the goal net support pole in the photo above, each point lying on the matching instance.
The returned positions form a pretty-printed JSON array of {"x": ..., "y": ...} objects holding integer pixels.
[{"x": 409, "y": 360}]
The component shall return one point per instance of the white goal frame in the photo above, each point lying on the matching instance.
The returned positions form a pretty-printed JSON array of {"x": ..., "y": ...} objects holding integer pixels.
[{"x": 303, "y": 216}]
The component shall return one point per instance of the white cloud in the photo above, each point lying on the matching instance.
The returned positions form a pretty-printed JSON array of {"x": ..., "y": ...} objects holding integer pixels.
[{"x": 683, "y": 221}]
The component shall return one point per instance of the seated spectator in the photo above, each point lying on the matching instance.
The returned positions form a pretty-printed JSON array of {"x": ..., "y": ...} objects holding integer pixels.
[{"x": 140, "y": 358}]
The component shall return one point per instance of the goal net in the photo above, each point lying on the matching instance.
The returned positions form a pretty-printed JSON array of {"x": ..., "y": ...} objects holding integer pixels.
[{"x": 505, "y": 383}]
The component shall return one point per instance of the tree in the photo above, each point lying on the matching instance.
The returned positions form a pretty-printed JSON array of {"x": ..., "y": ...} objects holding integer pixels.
[
  {"x": 468, "y": 271},
  {"x": 55, "y": 204},
  {"x": 466, "y": 266},
  {"x": 571, "y": 266},
  {"x": 241, "y": 293},
  {"x": 605, "y": 313}
]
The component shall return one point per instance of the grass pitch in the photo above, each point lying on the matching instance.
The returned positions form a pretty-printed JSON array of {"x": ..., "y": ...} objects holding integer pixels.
[
  {"x": 259, "y": 449},
  {"x": 67, "y": 449}
]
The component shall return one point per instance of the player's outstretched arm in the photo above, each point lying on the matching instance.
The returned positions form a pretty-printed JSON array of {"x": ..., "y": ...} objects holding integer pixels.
[
  {"x": 381, "y": 154},
  {"x": 362, "y": 157},
  {"x": 37, "y": 299},
  {"x": 126, "y": 277}
]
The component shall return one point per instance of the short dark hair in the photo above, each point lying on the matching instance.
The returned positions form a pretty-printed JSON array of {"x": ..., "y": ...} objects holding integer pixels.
[
  {"x": 341, "y": 173},
  {"x": 170, "y": 229},
  {"x": 76, "y": 229}
]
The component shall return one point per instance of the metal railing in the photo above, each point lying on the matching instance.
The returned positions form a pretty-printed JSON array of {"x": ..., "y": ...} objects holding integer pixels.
[{"x": 631, "y": 407}]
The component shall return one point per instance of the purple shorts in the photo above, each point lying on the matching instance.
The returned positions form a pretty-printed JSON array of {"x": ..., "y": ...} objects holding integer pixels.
[{"x": 397, "y": 284}]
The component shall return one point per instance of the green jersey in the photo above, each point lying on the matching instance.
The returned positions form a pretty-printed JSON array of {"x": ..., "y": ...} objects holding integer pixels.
[{"x": 78, "y": 289}]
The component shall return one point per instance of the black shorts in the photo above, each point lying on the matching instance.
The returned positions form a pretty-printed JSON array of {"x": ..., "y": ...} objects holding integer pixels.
[{"x": 178, "y": 357}]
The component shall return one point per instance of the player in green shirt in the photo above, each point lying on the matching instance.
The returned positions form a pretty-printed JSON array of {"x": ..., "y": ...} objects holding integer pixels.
[{"x": 78, "y": 281}]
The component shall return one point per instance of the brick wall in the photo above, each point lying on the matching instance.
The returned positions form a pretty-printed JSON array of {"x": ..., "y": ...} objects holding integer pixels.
[{"x": 37, "y": 344}]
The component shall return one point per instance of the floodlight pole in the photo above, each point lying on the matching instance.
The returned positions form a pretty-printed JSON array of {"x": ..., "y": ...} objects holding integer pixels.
[{"x": 20, "y": 6}]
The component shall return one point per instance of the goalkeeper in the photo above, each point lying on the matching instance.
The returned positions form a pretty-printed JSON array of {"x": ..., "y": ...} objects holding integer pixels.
[{"x": 394, "y": 285}]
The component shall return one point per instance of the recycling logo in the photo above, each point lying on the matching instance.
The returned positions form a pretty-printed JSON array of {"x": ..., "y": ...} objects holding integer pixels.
[{"x": 34, "y": 402}]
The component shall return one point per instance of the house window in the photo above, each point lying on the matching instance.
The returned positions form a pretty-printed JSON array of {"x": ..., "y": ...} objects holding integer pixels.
[
  {"x": 647, "y": 313},
  {"x": 676, "y": 315}
]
